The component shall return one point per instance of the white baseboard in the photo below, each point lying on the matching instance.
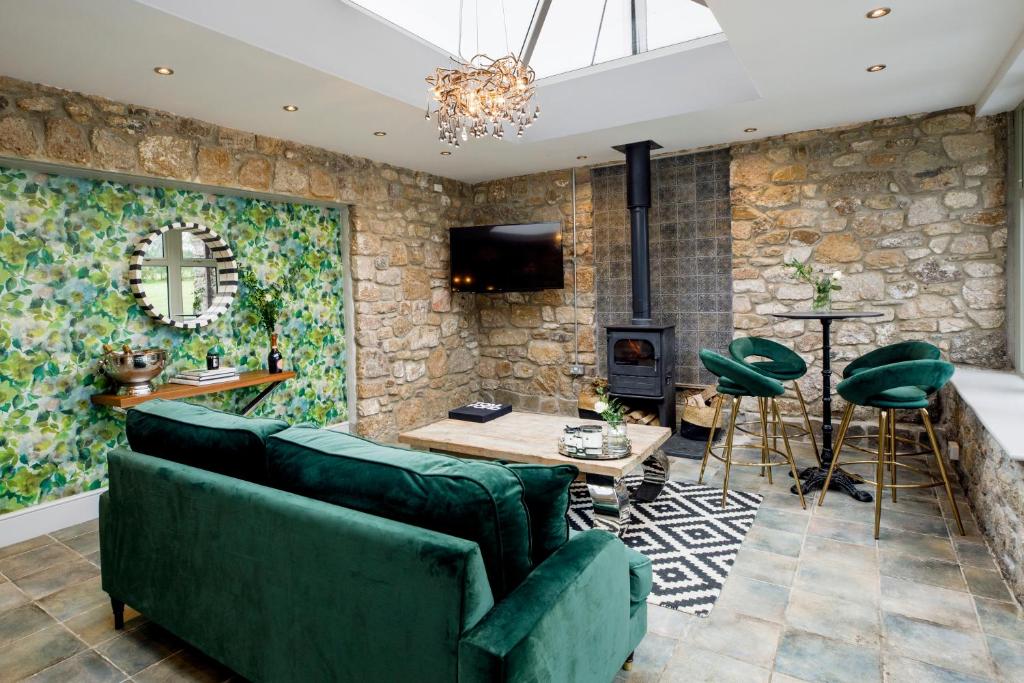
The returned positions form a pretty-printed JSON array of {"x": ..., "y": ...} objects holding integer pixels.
[{"x": 44, "y": 518}]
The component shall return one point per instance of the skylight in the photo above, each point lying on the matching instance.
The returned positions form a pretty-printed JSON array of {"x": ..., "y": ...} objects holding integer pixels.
[{"x": 575, "y": 33}]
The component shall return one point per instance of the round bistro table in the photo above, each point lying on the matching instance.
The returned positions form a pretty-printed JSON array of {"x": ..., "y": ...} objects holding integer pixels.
[{"x": 813, "y": 478}]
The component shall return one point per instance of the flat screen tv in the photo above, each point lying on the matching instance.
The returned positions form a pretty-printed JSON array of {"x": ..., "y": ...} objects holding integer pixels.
[{"x": 507, "y": 258}]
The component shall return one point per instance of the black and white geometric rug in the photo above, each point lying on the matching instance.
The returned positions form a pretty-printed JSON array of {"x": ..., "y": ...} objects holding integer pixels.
[{"x": 691, "y": 540}]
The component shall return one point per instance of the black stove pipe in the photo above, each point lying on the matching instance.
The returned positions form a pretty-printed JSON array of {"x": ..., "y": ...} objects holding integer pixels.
[{"x": 638, "y": 199}]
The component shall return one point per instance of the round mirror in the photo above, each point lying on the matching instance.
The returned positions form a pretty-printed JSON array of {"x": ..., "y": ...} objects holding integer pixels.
[{"x": 183, "y": 274}]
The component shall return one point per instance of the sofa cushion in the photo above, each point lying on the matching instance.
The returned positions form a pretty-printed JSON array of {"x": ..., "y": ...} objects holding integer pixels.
[
  {"x": 641, "y": 579},
  {"x": 476, "y": 500},
  {"x": 202, "y": 437},
  {"x": 547, "y": 499}
]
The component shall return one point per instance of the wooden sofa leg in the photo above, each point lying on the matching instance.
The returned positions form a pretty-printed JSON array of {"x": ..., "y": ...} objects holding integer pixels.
[
  {"x": 628, "y": 664},
  {"x": 118, "y": 608}
]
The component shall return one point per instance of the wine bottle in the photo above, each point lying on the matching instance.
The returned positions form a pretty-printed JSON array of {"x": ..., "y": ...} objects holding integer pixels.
[{"x": 274, "y": 357}]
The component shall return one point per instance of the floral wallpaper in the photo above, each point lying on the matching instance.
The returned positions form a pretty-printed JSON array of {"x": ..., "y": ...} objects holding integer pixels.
[{"x": 64, "y": 248}]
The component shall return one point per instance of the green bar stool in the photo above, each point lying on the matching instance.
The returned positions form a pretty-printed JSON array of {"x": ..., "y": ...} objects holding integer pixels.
[
  {"x": 739, "y": 381},
  {"x": 886, "y": 355},
  {"x": 782, "y": 364},
  {"x": 899, "y": 386}
]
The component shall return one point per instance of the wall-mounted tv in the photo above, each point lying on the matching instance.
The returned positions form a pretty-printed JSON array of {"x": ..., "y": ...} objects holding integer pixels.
[{"x": 507, "y": 258}]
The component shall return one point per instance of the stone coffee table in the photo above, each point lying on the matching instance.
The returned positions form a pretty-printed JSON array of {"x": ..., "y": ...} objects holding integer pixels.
[{"x": 533, "y": 438}]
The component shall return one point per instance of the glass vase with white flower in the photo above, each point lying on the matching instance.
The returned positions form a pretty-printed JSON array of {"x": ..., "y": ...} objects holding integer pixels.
[
  {"x": 616, "y": 442},
  {"x": 823, "y": 283}
]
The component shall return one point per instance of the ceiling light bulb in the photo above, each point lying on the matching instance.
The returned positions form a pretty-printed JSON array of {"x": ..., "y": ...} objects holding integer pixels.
[
  {"x": 581, "y": 157},
  {"x": 380, "y": 133},
  {"x": 446, "y": 153},
  {"x": 290, "y": 107},
  {"x": 875, "y": 68},
  {"x": 878, "y": 12},
  {"x": 164, "y": 71},
  {"x": 750, "y": 130}
]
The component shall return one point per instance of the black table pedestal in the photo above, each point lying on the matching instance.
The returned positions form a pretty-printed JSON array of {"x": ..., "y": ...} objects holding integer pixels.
[{"x": 813, "y": 478}]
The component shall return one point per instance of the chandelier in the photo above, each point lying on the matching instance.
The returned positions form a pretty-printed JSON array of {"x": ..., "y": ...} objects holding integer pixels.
[{"x": 481, "y": 96}]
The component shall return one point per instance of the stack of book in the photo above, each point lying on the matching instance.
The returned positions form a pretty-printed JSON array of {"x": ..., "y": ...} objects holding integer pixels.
[{"x": 201, "y": 378}]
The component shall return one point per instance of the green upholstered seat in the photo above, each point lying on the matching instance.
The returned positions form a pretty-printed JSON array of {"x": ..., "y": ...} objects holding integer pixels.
[
  {"x": 737, "y": 379},
  {"x": 893, "y": 353},
  {"x": 783, "y": 363},
  {"x": 547, "y": 499},
  {"x": 476, "y": 500},
  {"x": 202, "y": 437},
  {"x": 907, "y": 384}
]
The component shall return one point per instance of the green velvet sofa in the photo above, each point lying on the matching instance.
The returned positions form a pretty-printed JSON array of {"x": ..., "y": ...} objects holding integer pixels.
[{"x": 299, "y": 554}]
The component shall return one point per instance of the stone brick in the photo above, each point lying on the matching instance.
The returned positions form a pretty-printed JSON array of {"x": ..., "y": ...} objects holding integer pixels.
[
  {"x": 969, "y": 146},
  {"x": 969, "y": 244},
  {"x": 545, "y": 352},
  {"x": 415, "y": 283},
  {"x": 255, "y": 173},
  {"x": 925, "y": 210},
  {"x": 214, "y": 164},
  {"x": 960, "y": 199},
  {"x": 36, "y": 104},
  {"x": 940, "y": 124},
  {"x": 321, "y": 183},
  {"x": 66, "y": 141},
  {"x": 113, "y": 151},
  {"x": 166, "y": 155},
  {"x": 838, "y": 247},
  {"x": 290, "y": 178},
  {"x": 17, "y": 136}
]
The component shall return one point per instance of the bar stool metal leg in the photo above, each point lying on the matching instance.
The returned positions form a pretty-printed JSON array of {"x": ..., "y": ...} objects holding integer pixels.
[
  {"x": 883, "y": 422},
  {"x": 763, "y": 406},
  {"x": 841, "y": 434},
  {"x": 942, "y": 469},
  {"x": 719, "y": 399},
  {"x": 789, "y": 453},
  {"x": 892, "y": 451},
  {"x": 728, "y": 450},
  {"x": 807, "y": 421}
]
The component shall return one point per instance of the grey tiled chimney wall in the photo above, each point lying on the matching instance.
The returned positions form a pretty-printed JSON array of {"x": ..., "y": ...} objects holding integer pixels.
[{"x": 691, "y": 254}]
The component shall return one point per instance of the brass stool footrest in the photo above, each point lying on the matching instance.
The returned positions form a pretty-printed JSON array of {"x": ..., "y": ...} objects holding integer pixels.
[{"x": 751, "y": 447}]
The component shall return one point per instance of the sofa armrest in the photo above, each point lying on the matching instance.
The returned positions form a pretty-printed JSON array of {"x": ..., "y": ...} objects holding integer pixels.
[{"x": 568, "y": 621}]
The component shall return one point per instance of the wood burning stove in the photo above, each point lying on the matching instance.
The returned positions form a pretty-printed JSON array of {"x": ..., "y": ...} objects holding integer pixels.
[
  {"x": 641, "y": 365},
  {"x": 642, "y": 356}
]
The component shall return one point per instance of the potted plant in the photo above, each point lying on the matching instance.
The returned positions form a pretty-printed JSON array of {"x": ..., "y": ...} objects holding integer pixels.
[
  {"x": 823, "y": 284},
  {"x": 613, "y": 413}
]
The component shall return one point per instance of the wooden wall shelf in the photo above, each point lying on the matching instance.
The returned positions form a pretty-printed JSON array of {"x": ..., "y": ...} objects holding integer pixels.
[{"x": 172, "y": 392}]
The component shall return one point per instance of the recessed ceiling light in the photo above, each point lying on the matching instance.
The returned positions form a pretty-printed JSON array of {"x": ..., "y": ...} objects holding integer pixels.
[
  {"x": 878, "y": 12},
  {"x": 380, "y": 133},
  {"x": 581, "y": 157},
  {"x": 750, "y": 130},
  {"x": 290, "y": 107},
  {"x": 446, "y": 153},
  {"x": 875, "y": 68},
  {"x": 164, "y": 71}
]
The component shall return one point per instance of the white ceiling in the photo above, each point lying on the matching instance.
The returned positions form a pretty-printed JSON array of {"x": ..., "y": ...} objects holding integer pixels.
[{"x": 781, "y": 66}]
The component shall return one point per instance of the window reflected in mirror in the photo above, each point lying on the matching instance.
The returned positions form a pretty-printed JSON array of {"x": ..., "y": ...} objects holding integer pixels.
[
  {"x": 154, "y": 281},
  {"x": 179, "y": 275}
]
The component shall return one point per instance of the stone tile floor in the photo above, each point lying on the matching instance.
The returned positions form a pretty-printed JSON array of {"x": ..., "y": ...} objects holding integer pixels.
[
  {"x": 812, "y": 597},
  {"x": 56, "y": 624}
]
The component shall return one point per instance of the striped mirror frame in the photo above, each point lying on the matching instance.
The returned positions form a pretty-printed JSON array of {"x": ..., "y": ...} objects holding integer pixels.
[{"x": 227, "y": 274}]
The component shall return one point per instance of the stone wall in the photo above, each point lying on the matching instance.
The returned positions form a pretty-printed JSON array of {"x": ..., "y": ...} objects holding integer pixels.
[
  {"x": 911, "y": 210},
  {"x": 415, "y": 343},
  {"x": 690, "y": 253},
  {"x": 994, "y": 484},
  {"x": 527, "y": 339}
]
